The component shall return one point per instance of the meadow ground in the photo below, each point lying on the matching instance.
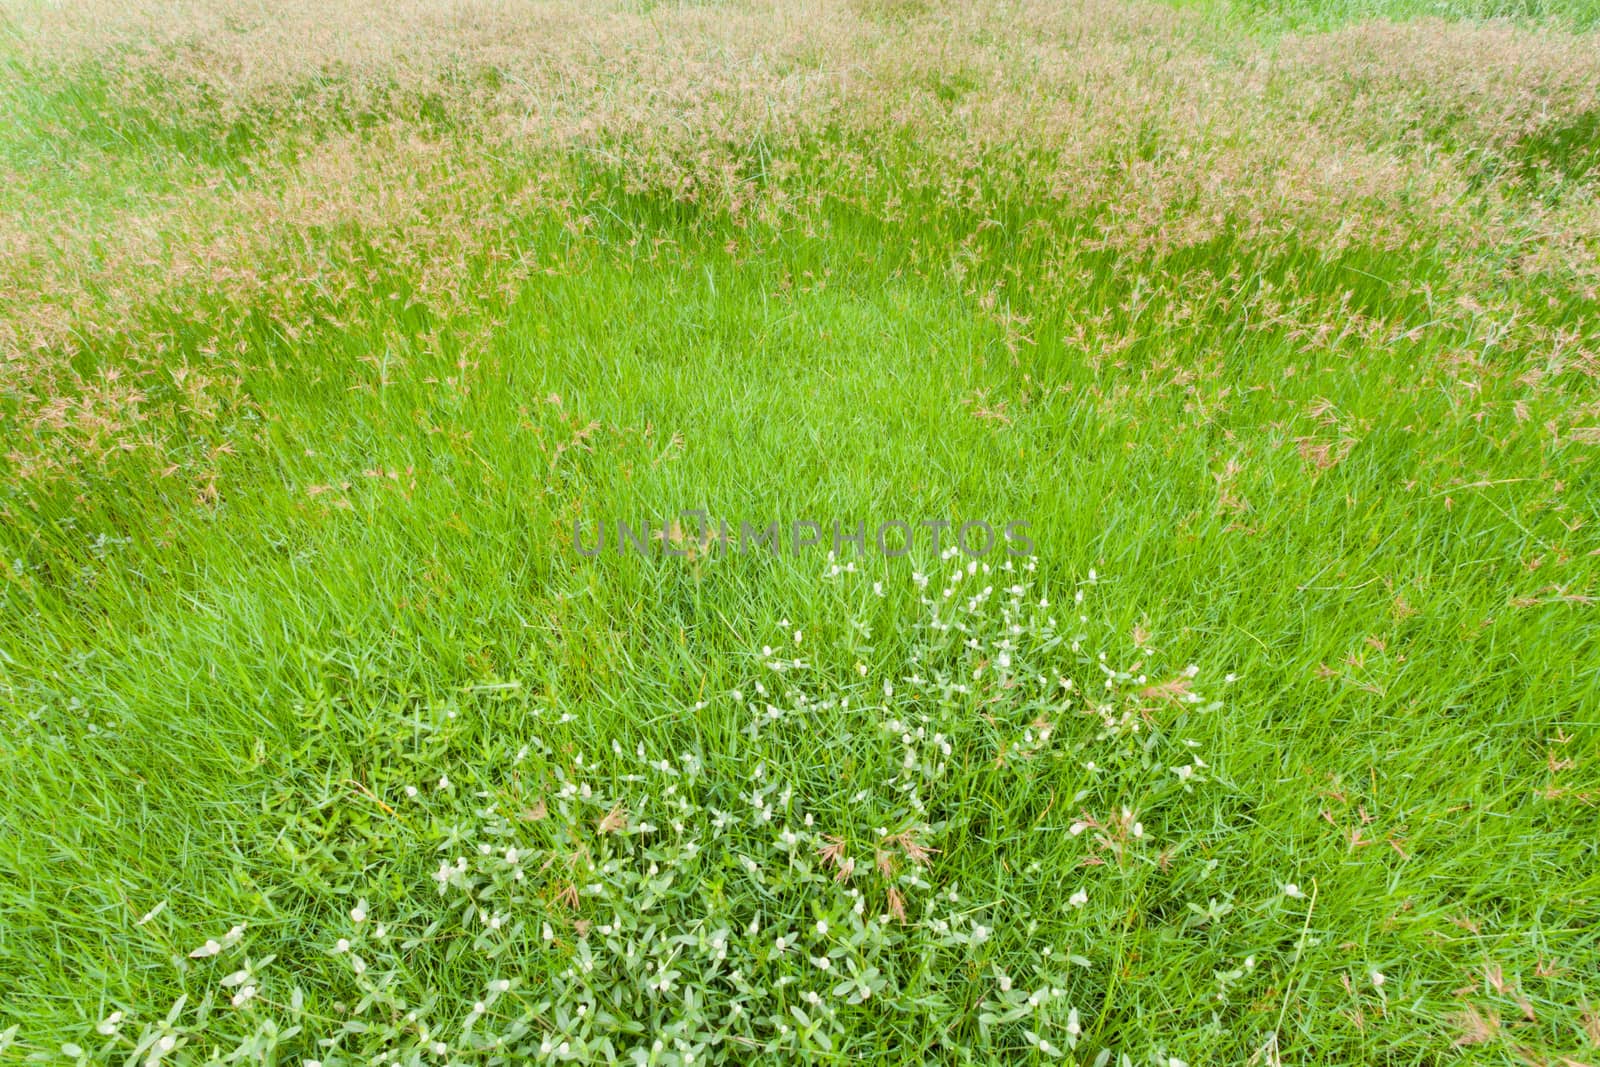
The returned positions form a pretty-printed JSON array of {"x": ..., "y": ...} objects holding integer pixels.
[{"x": 321, "y": 324}]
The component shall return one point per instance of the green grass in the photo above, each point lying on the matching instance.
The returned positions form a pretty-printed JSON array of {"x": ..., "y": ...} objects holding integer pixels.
[
  {"x": 1380, "y": 558},
  {"x": 1272, "y": 16}
]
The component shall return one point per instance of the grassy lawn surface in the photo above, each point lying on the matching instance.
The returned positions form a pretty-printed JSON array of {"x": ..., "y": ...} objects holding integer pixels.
[{"x": 323, "y": 328}]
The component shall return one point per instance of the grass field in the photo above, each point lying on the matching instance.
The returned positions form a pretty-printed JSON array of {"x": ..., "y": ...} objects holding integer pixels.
[{"x": 324, "y": 328}]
